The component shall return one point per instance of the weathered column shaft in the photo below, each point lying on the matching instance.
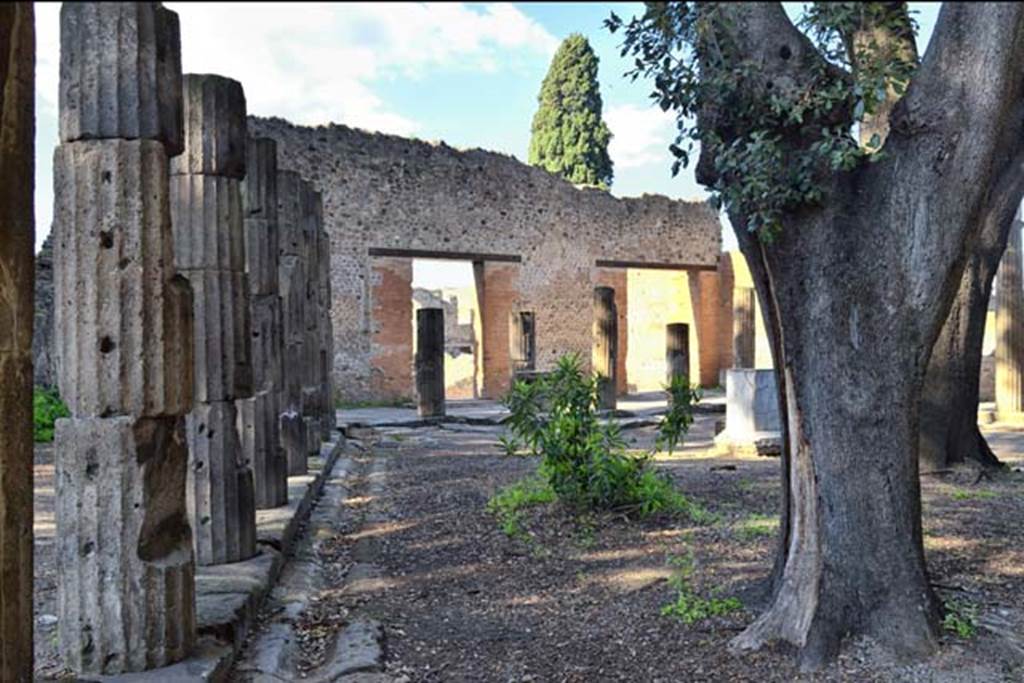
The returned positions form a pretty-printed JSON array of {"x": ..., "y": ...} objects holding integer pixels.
[
  {"x": 209, "y": 250},
  {"x": 677, "y": 350},
  {"x": 329, "y": 415},
  {"x": 1010, "y": 328},
  {"x": 312, "y": 399},
  {"x": 606, "y": 345},
  {"x": 17, "y": 271},
  {"x": 125, "y": 587},
  {"x": 743, "y": 308},
  {"x": 258, "y": 417},
  {"x": 292, "y": 281},
  {"x": 430, "y": 362}
]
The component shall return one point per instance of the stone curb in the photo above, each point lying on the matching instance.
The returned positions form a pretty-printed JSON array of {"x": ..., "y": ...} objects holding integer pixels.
[{"x": 229, "y": 596}]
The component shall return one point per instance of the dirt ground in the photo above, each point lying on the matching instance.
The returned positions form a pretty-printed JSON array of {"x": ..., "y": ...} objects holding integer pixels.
[{"x": 580, "y": 599}]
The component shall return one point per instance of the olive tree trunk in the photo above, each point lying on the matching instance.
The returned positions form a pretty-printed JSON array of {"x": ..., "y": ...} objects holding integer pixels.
[
  {"x": 854, "y": 294},
  {"x": 949, "y": 401}
]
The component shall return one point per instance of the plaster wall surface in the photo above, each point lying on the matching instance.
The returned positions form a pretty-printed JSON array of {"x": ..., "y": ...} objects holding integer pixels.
[{"x": 383, "y": 192}]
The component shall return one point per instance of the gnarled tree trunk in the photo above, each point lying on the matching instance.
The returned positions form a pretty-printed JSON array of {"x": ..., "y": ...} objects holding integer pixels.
[
  {"x": 855, "y": 294},
  {"x": 949, "y": 401}
]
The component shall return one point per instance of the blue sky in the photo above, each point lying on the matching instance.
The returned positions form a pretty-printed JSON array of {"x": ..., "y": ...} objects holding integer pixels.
[{"x": 467, "y": 74}]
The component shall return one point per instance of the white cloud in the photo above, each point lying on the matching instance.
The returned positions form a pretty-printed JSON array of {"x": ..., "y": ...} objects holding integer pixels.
[
  {"x": 640, "y": 135},
  {"x": 313, "y": 63}
]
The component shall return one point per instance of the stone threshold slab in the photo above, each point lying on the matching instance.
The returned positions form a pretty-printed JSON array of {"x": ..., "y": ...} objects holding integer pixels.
[{"x": 229, "y": 596}]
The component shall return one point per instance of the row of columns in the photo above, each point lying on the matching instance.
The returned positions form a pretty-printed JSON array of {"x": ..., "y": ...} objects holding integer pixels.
[{"x": 192, "y": 306}]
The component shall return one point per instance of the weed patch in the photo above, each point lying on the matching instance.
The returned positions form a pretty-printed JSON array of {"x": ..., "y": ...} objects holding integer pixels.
[
  {"x": 689, "y": 607},
  {"x": 508, "y": 503},
  {"x": 964, "y": 494},
  {"x": 757, "y": 526},
  {"x": 961, "y": 618}
]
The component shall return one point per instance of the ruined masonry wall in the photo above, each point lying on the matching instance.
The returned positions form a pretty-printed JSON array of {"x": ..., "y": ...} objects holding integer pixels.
[{"x": 383, "y": 191}]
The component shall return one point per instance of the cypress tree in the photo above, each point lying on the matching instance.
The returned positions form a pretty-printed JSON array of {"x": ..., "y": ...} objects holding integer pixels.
[{"x": 569, "y": 137}]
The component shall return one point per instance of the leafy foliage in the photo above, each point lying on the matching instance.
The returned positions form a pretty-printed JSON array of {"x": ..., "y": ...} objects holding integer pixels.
[
  {"x": 768, "y": 147},
  {"x": 569, "y": 137},
  {"x": 47, "y": 408},
  {"x": 961, "y": 618},
  {"x": 682, "y": 396},
  {"x": 689, "y": 607},
  {"x": 584, "y": 460}
]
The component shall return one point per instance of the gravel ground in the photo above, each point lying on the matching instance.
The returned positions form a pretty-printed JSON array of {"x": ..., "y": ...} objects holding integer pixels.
[{"x": 580, "y": 599}]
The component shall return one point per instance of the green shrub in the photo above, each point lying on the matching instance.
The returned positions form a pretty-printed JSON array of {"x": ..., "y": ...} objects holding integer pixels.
[
  {"x": 46, "y": 409},
  {"x": 583, "y": 460}
]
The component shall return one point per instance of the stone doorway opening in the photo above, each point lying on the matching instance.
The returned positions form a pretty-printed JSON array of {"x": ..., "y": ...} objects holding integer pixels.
[
  {"x": 450, "y": 285},
  {"x": 646, "y": 301},
  {"x": 479, "y": 295}
]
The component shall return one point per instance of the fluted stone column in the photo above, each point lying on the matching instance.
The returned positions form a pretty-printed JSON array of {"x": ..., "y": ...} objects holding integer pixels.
[
  {"x": 677, "y": 351},
  {"x": 312, "y": 400},
  {"x": 606, "y": 345},
  {"x": 17, "y": 271},
  {"x": 209, "y": 250},
  {"x": 258, "y": 416},
  {"x": 292, "y": 286},
  {"x": 329, "y": 415},
  {"x": 743, "y": 311},
  {"x": 430, "y": 362},
  {"x": 1010, "y": 330},
  {"x": 125, "y": 586}
]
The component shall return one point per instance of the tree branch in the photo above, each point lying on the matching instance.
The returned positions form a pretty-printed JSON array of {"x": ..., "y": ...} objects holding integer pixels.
[{"x": 784, "y": 61}]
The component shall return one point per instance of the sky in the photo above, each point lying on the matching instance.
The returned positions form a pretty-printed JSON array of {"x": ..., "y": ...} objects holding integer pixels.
[{"x": 465, "y": 73}]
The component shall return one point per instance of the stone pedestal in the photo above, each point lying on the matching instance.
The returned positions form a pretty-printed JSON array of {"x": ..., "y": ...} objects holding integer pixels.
[
  {"x": 123, "y": 318},
  {"x": 677, "y": 351},
  {"x": 209, "y": 237},
  {"x": 430, "y": 362},
  {"x": 743, "y": 326},
  {"x": 751, "y": 413},
  {"x": 1009, "y": 375},
  {"x": 606, "y": 345},
  {"x": 17, "y": 242}
]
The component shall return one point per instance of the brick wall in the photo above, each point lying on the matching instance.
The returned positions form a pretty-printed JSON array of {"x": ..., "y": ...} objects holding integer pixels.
[
  {"x": 391, "y": 348},
  {"x": 499, "y": 299},
  {"x": 385, "y": 192}
]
